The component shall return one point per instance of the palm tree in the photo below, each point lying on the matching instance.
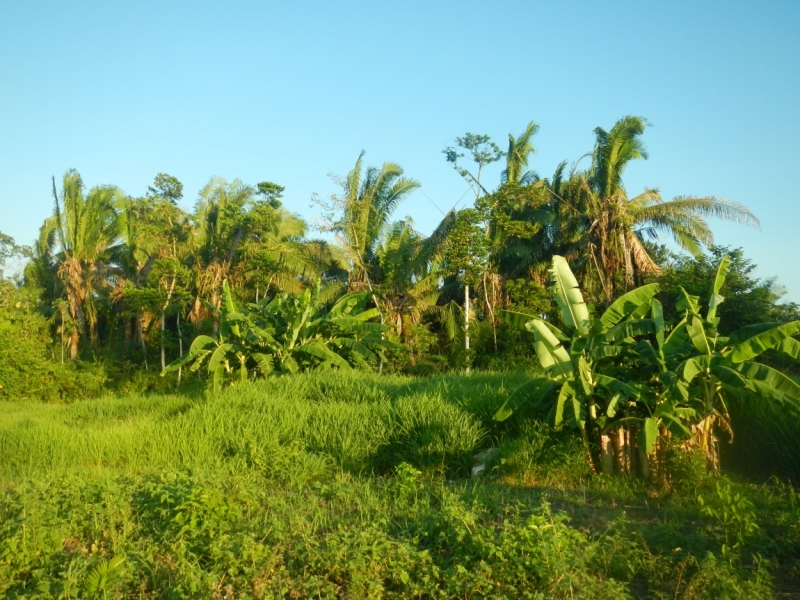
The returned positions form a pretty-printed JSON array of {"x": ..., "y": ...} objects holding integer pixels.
[
  {"x": 615, "y": 225},
  {"x": 367, "y": 204},
  {"x": 237, "y": 234},
  {"x": 519, "y": 151},
  {"x": 79, "y": 241},
  {"x": 409, "y": 278},
  {"x": 276, "y": 256}
]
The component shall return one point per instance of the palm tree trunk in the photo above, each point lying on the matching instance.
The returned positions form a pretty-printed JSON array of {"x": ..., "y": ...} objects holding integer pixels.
[
  {"x": 74, "y": 339},
  {"x": 140, "y": 335}
]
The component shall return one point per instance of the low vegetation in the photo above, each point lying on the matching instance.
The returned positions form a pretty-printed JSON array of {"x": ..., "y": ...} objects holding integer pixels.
[{"x": 339, "y": 484}]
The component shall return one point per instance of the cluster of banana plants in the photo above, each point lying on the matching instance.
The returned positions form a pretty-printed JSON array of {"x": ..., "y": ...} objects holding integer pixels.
[
  {"x": 627, "y": 370},
  {"x": 285, "y": 335}
]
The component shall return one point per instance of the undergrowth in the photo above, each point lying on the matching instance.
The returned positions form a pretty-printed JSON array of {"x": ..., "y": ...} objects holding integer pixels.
[{"x": 335, "y": 485}]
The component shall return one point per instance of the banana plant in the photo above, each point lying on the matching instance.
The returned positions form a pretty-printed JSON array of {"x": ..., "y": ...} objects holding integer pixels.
[
  {"x": 285, "y": 335},
  {"x": 625, "y": 369},
  {"x": 699, "y": 368},
  {"x": 587, "y": 372}
]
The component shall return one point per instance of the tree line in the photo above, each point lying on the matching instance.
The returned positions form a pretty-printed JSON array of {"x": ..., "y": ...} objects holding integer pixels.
[{"x": 138, "y": 278}]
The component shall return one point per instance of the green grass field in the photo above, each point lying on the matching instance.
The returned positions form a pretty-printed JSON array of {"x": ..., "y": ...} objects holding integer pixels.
[{"x": 354, "y": 486}]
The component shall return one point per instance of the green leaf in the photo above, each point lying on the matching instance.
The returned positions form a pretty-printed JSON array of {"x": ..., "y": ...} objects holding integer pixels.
[
  {"x": 766, "y": 340},
  {"x": 200, "y": 346},
  {"x": 675, "y": 426},
  {"x": 347, "y": 303},
  {"x": 791, "y": 347},
  {"x": 611, "y": 409},
  {"x": 648, "y": 434},
  {"x": 534, "y": 389},
  {"x": 320, "y": 350},
  {"x": 585, "y": 376},
  {"x": 218, "y": 356},
  {"x": 568, "y": 296},
  {"x": 217, "y": 378},
  {"x": 521, "y": 320},
  {"x": 688, "y": 302},
  {"x": 676, "y": 339},
  {"x": 767, "y": 380},
  {"x": 629, "y": 329},
  {"x": 699, "y": 364},
  {"x": 646, "y": 352},
  {"x": 566, "y": 392},
  {"x": 745, "y": 333},
  {"x": 657, "y": 316},
  {"x": 228, "y": 308},
  {"x": 616, "y": 386},
  {"x": 604, "y": 351},
  {"x": 356, "y": 346},
  {"x": 697, "y": 333},
  {"x": 264, "y": 362},
  {"x": 714, "y": 298},
  {"x": 628, "y": 303},
  {"x": 551, "y": 354}
]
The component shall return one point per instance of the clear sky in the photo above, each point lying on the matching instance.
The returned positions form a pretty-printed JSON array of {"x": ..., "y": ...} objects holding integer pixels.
[{"x": 290, "y": 91}]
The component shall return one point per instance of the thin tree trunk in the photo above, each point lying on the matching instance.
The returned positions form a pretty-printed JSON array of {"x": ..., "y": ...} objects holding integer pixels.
[
  {"x": 490, "y": 308},
  {"x": 180, "y": 341},
  {"x": 466, "y": 325},
  {"x": 140, "y": 334},
  {"x": 163, "y": 326},
  {"x": 164, "y": 318}
]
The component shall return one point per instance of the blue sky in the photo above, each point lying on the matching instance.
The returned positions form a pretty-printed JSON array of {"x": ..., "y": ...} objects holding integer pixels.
[{"x": 290, "y": 92}]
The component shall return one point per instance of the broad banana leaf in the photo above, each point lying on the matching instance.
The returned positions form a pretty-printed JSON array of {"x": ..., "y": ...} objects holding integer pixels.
[
  {"x": 767, "y": 379},
  {"x": 566, "y": 392},
  {"x": 698, "y": 364},
  {"x": 549, "y": 351},
  {"x": 320, "y": 350},
  {"x": 629, "y": 329},
  {"x": 604, "y": 351},
  {"x": 355, "y": 346},
  {"x": 697, "y": 334},
  {"x": 518, "y": 319},
  {"x": 616, "y": 386},
  {"x": 534, "y": 389},
  {"x": 568, "y": 296},
  {"x": 715, "y": 299},
  {"x": 766, "y": 340},
  {"x": 676, "y": 339},
  {"x": 657, "y": 315},
  {"x": 219, "y": 355},
  {"x": 648, "y": 434},
  {"x": 627, "y": 303},
  {"x": 688, "y": 302}
]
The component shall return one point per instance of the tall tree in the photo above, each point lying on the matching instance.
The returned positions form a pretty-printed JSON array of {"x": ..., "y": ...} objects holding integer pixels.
[
  {"x": 364, "y": 210},
  {"x": 615, "y": 225},
  {"x": 483, "y": 152},
  {"x": 517, "y": 157},
  {"x": 166, "y": 187},
  {"x": 80, "y": 238}
]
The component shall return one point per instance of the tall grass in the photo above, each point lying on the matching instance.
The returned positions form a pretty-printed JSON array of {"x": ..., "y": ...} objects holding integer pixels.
[
  {"x": 351, "y": 485},
  {"x": 356, "y": 422}
]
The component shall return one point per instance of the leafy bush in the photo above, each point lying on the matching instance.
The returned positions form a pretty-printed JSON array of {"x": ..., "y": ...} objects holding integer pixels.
[
  {"x": 625, "y": 370},
  {"x": 287, "y": 334},
  {"x": 28, "y": 370}
]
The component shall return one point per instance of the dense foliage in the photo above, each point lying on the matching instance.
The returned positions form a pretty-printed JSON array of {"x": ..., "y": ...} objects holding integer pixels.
[
  {"x": 269, "y": 491},
  {"x": 203, "y": 474},
  {"x": 287, "y": 335},
  {"x": 627, "y": 370}
]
